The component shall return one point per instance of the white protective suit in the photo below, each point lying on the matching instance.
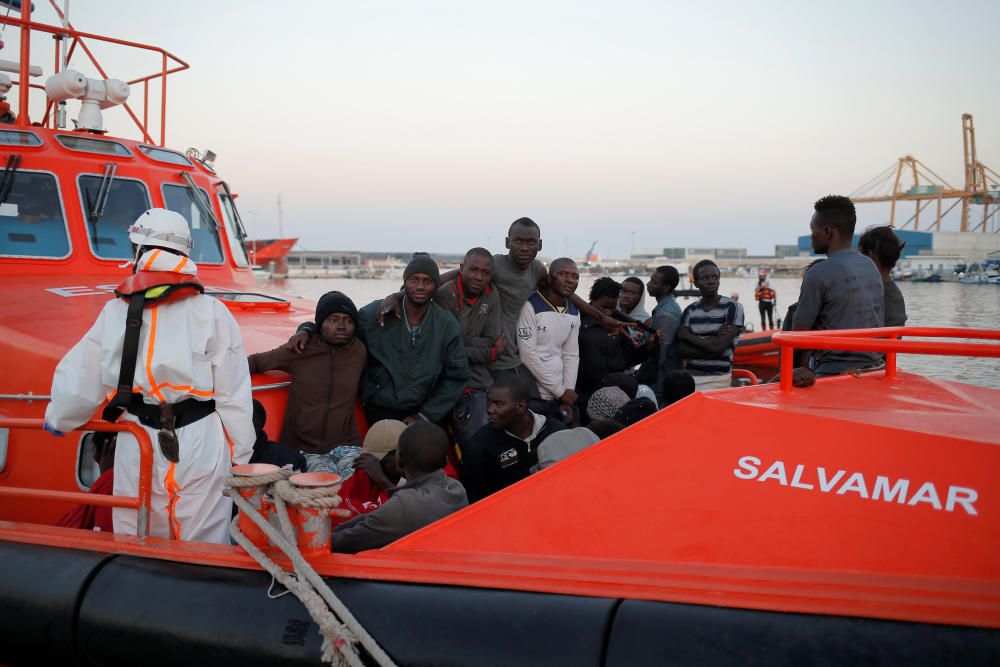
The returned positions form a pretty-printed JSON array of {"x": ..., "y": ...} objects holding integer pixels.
[{"x": 190, "y": 348}]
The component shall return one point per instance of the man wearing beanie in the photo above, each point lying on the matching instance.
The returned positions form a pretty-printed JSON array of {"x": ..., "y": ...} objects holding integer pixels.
[
  {"x": 319, "y": 416},
  {"x": 417, "y": 366}
]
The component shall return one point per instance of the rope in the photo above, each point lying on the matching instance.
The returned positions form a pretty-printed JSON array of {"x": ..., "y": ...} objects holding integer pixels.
[
  {"x": 341, "y": 631},
  {"x": 259, "y": 480}
]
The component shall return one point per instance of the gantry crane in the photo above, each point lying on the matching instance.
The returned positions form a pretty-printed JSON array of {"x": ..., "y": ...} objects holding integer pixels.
[{"x": 910, "y": 180}]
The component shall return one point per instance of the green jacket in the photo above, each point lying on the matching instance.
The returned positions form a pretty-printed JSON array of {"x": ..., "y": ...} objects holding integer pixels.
[
  {"x": 424, "y": 373},
  {"x": 481, "y": 322}
]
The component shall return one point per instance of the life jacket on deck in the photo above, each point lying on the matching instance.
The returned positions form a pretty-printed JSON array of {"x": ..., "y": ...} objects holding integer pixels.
[{"x": 764, "y": 293}]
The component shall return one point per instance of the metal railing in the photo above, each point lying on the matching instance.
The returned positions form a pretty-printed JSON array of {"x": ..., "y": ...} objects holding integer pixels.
[
  {"x": 169, "y": 64},
  {"x": 142, "y": 504},
  {"x": 29, "y": 397},
  {"x": 886, "y": 340}
]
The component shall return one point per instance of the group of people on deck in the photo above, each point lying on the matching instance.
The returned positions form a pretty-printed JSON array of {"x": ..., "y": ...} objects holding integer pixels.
[{"x": 469, "y": 381}]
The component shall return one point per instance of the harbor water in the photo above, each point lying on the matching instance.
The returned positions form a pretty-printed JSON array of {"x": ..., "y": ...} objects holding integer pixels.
[{"x": 927, "y": 304}]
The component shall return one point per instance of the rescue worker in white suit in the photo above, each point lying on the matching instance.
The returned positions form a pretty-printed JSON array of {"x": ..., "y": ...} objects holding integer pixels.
[{"x": 190, "y": 356}]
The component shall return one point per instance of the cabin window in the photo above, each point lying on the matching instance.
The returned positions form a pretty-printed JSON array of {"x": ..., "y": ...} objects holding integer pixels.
[
  {"x": 87, "y": 466},
  {"x": 89, "y": 145},
  {"x": 32, "y": 223},
  {"x": 164, "y": 155},
  {"x": 17, "y": 138},
  {"x": 107, "y": 230},
  {"x": 204, "y": 234},
  {"x": 233, "y": 231}
]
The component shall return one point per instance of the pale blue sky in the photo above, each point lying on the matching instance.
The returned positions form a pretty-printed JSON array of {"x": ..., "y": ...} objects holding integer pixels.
[{"x": 432, "y": 125}]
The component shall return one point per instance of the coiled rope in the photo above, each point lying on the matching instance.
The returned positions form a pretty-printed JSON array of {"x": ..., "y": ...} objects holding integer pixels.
[{"x": 341, "y": 631}]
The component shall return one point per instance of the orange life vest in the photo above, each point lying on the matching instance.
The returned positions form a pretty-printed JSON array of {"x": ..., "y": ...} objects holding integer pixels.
[{"x": 764, "y": 293}]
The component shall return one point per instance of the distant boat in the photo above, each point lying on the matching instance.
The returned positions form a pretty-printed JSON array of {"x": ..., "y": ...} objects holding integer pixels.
[
  {"x": 978, "y": 274},
  {"x": 270, "y": 256}
]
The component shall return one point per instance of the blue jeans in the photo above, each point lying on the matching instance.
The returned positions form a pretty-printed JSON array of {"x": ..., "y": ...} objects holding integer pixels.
[{"x": 338, "y": 460}]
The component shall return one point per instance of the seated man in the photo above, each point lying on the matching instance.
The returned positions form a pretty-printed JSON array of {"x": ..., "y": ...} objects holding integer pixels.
[
  {"x": 427, "y": 496},
  {"x": 601, "y": 352},
  {"x": 566, "y": 443},
  {"x": 376, "y": 468},
  {"x": 605, "y": 402},
  {"x": 882, "y": 246},
  {"x": 319, "y": 417},
  {"x": 503, "y": 451},
  {"x": 676, "y": 385},
  {"x": 844, "y": 292},
  {"x": 417, "y": 365},
  {"x": 548, "y": 344},
  {"x": 708, "y": 332},
  {"x": 267, "y": 451}
]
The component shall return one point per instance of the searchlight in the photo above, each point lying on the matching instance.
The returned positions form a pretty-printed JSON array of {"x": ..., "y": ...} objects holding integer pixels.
[{"x": 94, "y": 94}]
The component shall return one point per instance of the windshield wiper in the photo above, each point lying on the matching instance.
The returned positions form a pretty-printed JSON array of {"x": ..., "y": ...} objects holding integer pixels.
[
  {"x": 95, "y": 207},
  {"x": 9, "y": 173},
  {"x": 241, "y": 231},
  {"x": 201, "y": 199}
]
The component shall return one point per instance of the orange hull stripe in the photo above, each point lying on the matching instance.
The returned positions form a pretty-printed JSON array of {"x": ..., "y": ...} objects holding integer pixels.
[
  {"x": 152, "y": 258},
  {"x": 170, "y": 484}
]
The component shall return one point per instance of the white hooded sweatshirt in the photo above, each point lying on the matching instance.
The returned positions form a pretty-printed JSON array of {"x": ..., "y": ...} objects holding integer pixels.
[{"x": 190, "y": 348}]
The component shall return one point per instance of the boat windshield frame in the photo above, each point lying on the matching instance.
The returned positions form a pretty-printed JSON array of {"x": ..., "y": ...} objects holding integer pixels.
[
  {"x": 83, "y": 207},
  {"x": 212, "y": 223},
  {"x": 62, "y": 209},
  {"x": 233, "y": 229}
]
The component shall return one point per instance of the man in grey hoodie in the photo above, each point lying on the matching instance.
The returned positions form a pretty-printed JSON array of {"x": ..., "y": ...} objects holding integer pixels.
[{"x": 427, "y": 496}]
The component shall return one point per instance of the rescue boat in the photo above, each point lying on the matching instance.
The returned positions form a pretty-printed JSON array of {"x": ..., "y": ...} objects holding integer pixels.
[{"x": 854, "y": 521}]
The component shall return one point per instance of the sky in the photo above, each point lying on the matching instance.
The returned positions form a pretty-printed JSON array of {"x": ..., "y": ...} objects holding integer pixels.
[{"x": 432, "y": 125}]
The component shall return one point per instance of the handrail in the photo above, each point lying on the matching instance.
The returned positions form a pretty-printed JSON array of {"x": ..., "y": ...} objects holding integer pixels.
[
  {"x": 744, "y": 374},
  {"x": 26, "y": 25},
  {"x": 141, "y": 504},
  {"x": 885, "y": 339},
  {"x": 29, "y": 397}
]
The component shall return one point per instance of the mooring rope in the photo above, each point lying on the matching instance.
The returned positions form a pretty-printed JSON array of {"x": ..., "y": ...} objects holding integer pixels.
[{"x": 341, "y": 631}]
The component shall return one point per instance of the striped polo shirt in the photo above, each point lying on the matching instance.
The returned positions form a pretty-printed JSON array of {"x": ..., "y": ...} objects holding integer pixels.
[{"x": 706, "y": 323}]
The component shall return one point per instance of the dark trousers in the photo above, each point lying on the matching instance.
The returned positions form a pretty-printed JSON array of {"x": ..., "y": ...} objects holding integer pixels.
[
  {"x": 375, "y": 413},
  {"x": 766, "y": 308}
]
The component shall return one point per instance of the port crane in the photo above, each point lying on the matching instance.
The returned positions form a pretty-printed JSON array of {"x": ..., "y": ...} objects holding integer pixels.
[{"x": 910, "y": 180}]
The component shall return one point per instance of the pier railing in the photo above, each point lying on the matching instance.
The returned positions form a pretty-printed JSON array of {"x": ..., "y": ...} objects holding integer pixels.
[{"x": 886, "y": 340}]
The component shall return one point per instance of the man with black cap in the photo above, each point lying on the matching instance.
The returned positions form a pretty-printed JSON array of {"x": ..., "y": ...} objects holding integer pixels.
[
  {"x": 319, "y": 417},
  {"x": 417, "y": 366}
]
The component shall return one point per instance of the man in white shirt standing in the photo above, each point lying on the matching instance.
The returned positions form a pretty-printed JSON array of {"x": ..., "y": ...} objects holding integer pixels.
[{"x": 547, "y": 332}]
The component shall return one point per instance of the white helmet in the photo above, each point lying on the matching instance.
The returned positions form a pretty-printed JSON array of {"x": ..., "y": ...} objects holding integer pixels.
[{"x": 162, "y": 228}]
